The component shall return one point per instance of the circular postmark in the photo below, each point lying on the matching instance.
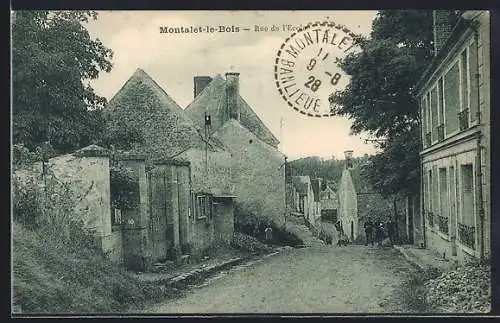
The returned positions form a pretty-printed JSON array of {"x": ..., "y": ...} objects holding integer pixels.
[{"x": 306, "y": 67}]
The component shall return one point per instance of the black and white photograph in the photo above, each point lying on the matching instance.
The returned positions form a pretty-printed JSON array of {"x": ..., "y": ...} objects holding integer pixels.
[{"x": 250, "y": 162}]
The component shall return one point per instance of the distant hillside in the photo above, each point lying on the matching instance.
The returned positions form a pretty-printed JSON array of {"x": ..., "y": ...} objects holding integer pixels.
[{"x": 330, "y": 170}]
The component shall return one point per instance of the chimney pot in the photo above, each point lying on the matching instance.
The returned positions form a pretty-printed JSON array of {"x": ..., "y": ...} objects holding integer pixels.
[
  {"x": 348, "y": 158},
  {"x": 200, "y": 82},
  {"x": 232, "y": 94}
]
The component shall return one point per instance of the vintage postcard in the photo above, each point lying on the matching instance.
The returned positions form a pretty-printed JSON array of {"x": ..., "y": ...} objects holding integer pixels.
[{"x": 251, "y": 162}]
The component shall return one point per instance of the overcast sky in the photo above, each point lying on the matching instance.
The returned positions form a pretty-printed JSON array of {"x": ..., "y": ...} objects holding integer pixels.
[{"x": 172, "y": 60}]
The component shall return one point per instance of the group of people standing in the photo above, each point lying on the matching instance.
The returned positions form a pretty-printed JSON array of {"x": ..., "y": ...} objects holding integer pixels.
[{"x": 375, "y": 232}]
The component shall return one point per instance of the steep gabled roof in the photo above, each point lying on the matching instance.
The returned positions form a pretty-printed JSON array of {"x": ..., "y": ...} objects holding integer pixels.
[
  {"x": 213, "y": 99},
  {"x": 141, "y": 104},
  {"x": 325, "y": 192}
]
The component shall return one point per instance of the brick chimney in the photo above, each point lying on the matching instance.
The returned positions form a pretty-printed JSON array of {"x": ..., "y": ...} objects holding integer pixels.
[
  {"x": 443, "y": 23},
  {"x": 348, "y": 159},
  {"x": 200, "y": 82},
  {"x": 232, "y": 94}
]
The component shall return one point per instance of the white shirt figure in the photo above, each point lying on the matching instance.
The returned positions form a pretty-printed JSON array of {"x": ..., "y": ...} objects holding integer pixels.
[{"x": 269, "y": 233}]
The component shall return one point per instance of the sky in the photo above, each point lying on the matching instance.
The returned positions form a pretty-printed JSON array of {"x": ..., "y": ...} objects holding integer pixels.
[{"x": 173, "y": 59}]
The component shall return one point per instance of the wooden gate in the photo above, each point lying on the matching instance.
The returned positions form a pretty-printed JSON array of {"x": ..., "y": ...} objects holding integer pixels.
[{"x": 161, "y": 241}]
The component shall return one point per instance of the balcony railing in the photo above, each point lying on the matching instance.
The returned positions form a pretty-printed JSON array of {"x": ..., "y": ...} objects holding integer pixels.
[
  {"x": 440, "y": 130},
  {"x": 428, "y": 139},
  {"x": 442, "y": 224},
  {"x": 466, "y": 235},
  {"x": 430, "y": 219},
  {"x": 463, "y": 119}
]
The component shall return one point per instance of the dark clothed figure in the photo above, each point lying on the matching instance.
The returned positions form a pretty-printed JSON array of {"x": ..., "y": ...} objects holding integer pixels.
[
  {"x": 269, "y": 234},
  {"x": 342, "y": 241},
  {"x": 379, "y": 233},
  {"x": 369, "y": 232}
]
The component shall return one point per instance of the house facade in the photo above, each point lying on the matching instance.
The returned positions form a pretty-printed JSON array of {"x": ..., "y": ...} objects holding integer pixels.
[
  {"x": 454, "y": 96},
  {"x": 303, "y": 198},
  {"x": 329, "y": 204},
  {"x": 358, "y": 203},
  {"x": 185, "y": 177},
  {"x": 348, "y": 204},
  {"x": 257, "y": 166}
]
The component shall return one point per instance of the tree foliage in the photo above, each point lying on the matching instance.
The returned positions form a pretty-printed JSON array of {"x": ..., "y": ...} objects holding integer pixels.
[
  {"x": 329, "y": 170},
  {"x": 396, "y": 168},
  {"x": 53, "y": 59},
  {"x": 380, "y": 98}
]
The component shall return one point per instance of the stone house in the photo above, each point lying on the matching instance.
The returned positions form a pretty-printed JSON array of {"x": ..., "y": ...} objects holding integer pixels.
[
  {"x": 329, "y": 204},
  {"x": 185, "y": 177},
  {"x": 454, "y": 97},
  {"x": 257, "y": 166},
  {"x": 303, "y": 201},
  {"x": 358, "y": 202},
  {"x": 301, "y": 192}
]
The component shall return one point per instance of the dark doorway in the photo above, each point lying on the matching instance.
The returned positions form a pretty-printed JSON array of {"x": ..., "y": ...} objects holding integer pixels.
[{"x": 352, "y": 231}]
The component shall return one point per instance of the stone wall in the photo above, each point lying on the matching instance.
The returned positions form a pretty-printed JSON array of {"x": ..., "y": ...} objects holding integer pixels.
[
  {"x": 223, "y": 219},
  {"x": 136, "y": 243},
  {"x": 87, "y": 174},
  {"x": 258, "y": 173},
  {"x": 215, "y": 177},
  {"x": 484, "y": 62}
]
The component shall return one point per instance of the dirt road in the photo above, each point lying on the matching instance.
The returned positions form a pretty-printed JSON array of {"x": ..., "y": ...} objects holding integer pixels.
[{"x": 328, "y": 279}]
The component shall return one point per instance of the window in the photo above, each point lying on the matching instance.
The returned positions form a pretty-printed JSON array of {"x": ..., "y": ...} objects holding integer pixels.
[
  {"x": 453, "y": 199},
  {"x": 434, "y": 113},
  {"x": 469, "y": 86},
  {"x": 474, "y": 83},
  {"x": 423, "y": 109},
  {"x": 429, "y": 119},
  {"x": 440, "y": 104},
  {"x": 467, "y": 196},
  {"x": 430, "y": 198},
  {"x": 466, "y": 227},
  {"x": 443, "y": 201},
  {"x": 451, "y": 88},
  {"x": 464, "y": 80}
]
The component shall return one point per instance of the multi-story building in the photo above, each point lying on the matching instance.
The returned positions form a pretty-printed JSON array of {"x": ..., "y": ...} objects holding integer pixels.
[{"x": 454, "y": 95}]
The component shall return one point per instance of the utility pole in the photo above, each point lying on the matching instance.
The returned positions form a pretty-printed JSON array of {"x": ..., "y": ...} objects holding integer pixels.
[{"x": 208, "y": 123}]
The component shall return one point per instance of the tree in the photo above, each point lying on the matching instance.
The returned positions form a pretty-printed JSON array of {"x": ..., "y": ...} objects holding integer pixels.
[
  {"x": 380, "y": 98},
  {"x": 53, "y": 59}
]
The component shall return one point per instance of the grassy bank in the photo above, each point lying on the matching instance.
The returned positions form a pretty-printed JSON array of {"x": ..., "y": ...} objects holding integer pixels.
[
  {"x": 50, "y": 276},
  {"x": 413, "y": 293}
]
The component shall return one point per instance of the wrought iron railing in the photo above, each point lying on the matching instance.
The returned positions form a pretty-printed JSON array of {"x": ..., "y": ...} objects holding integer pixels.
[
  {"x": 467, "y": 235},
  {"x": 463, "y": 119},
  {"x": 440, "y": 130},
  {"x": 442, "y": 223},
  {"x": 428, "y": 139},
  {"x": 430, "y": 219}
]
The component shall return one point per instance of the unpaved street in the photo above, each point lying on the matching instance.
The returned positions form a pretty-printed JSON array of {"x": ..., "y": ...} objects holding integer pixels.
[{"x": 324, "y": 279}]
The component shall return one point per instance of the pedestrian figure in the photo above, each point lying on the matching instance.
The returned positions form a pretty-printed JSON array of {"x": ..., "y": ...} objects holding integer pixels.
[
  {"x": 269, "y": 233},
  {"x": 369, "y": 232},
  {"x": 391, "y": 231},
  {"x": 343, "y": 240},
  {"x": 379, "y": 233}
]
